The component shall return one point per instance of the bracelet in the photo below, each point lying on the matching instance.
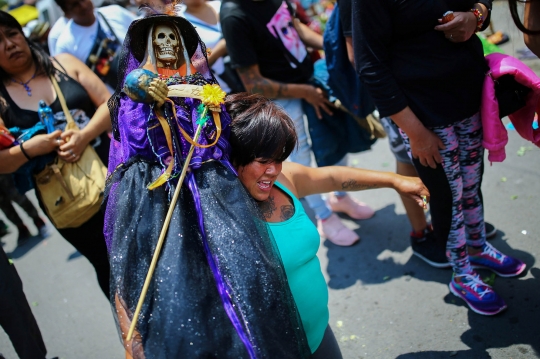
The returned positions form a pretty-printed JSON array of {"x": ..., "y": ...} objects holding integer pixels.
[
  {"x": 479, "y": 19},
  {"x": 24, "y": 152}
]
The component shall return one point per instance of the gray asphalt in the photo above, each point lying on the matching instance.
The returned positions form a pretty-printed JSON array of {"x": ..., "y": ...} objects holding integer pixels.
[{"x": 384, "y": 302}]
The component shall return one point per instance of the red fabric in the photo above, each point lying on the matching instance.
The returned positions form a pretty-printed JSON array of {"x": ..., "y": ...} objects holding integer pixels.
[
  {"x": 182, "y": 71},
  {"x": 301, "y": 13},
  {"x": 6, "y": 140}
]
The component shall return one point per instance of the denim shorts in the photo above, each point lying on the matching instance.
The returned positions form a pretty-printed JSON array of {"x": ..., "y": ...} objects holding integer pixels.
[{"x": 395, "y": 141}]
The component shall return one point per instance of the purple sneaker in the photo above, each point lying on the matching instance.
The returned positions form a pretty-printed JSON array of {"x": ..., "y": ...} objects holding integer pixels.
[
  {"x": 490, "y": 258},
  {"x": 478, "y": 295}
]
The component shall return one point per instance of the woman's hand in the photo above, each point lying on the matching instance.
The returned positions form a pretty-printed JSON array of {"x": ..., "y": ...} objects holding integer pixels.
[
  {"x": 74, "y": 144},
  {"x": 425, "y": 147},
  {"x": 12, "y": 158},
  {"x": 461, "y": 28},
  {"x": 317, "y": 98},
  {"x": 43, "y": 144},
  {"x": 413, "y": 188},
  {"x": 424, "y": 143}
]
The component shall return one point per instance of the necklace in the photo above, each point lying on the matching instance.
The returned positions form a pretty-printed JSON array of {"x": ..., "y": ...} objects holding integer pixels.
[{"x": 25, "y": 84}]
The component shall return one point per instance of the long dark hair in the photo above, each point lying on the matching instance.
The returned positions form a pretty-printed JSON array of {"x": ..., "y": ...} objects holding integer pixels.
[
  {"x": 43, "y": 63},
  {"x": 259, "y": 129},
  {"x": 515, "y": 16}
]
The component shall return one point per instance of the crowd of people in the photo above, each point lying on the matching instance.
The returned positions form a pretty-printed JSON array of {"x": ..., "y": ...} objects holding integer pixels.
[{"x": 250, "y": 152}]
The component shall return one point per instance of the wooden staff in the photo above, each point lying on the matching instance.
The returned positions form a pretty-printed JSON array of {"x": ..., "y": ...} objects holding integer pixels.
[{"x": 162, "y": 235}]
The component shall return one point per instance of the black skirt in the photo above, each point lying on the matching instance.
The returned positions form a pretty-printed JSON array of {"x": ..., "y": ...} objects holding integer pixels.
[{"x": 184, "y": 315}]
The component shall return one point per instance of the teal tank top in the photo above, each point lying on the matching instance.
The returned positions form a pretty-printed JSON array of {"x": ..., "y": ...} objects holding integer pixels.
[{"x": 298, "y": 241}]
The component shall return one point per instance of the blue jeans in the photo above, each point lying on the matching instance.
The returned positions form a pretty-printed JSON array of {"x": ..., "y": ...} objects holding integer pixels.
[{"x": 302, "y": 153}]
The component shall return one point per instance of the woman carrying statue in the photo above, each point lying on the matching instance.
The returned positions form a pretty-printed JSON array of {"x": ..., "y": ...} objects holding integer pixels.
[
  {"x": 221, "y": 287},
  {"x": 219, "y": 274}
]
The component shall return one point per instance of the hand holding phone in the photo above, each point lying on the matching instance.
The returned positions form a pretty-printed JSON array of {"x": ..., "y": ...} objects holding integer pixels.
[{"x": 447, "y": 17}]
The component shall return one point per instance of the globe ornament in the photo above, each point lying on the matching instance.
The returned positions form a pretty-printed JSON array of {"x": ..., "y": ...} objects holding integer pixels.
[{"x": 137, "y": 84}]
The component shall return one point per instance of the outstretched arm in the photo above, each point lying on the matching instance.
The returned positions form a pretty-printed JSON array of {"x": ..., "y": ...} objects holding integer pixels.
[{"x": 306, "y": 181}]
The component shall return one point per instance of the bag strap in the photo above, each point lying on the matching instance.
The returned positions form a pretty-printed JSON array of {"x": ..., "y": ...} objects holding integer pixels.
[
  {"x": 102, "y": 17},
  {"x": 60, "y": 96}
]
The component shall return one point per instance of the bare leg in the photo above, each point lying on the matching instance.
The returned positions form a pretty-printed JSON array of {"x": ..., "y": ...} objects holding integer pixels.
[{"x": 414, "y": 212}]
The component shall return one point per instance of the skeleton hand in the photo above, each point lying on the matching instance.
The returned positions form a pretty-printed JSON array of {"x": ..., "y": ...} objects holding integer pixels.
[{"x": 158, "y": 90}]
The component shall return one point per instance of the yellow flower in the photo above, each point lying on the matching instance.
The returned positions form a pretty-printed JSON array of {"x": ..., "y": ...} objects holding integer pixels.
[{"x": 212, "y": 95}]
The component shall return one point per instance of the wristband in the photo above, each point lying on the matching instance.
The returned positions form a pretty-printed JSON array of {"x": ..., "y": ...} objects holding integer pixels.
[
  {"x": 24, "y": 152},
  {"x": 479, "y": 19}
]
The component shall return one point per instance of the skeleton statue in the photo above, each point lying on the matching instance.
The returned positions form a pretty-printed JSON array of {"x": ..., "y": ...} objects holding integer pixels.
[
  {"x": 166, "y": 46},
  {"x": 166, "y": 55},
  {"x": 175, "y": 266}
]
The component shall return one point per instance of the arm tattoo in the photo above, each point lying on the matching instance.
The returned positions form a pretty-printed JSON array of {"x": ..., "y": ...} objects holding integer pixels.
[
  {"x": 287, "y": 212},
  {"x": 282, "y": 90},
  {"x": 264, "y": 87},
  {"x": 352, "y": 185},
  {"x": 268, "y": 207},
  {"x": 257, "y": 84}
]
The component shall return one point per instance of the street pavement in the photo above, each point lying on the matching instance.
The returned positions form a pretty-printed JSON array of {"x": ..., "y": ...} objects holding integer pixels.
[{"x": 384, "y": 302}]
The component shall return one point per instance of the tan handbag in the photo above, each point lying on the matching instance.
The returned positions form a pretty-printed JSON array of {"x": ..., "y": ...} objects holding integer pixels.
[{"x": 72, "y": 192}]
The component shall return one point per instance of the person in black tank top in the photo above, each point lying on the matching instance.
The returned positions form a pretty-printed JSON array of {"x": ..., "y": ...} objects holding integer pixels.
[
  {"x": 78, "y": 101},
  {"x": 24, "y": 81}
]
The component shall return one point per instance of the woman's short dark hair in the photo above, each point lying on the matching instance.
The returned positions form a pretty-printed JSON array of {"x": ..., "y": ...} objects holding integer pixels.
[
  {"x": 259, "y": 129},
  {"x": 43, "y": 63}
]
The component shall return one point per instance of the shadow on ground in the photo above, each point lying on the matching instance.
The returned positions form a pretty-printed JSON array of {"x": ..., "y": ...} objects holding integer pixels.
[
  {"x": 74, "y": 255},
  {"x": 388, "y": 231},
  {"x": 21, "y": 250},
  {"x": 472, "y": 354}
]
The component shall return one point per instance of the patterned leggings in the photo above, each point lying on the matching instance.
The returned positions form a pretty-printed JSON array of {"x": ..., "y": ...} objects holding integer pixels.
[{"x": 456, "y": 204}]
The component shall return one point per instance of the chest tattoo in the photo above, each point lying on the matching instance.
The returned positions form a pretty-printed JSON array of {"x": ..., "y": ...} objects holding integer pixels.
[
  {"x": 268, "y": 207},
  {"x": 287, "y": 212}
]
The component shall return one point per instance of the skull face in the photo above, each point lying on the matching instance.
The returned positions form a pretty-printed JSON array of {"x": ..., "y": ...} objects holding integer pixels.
[{"x": 165, "y": 41}]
